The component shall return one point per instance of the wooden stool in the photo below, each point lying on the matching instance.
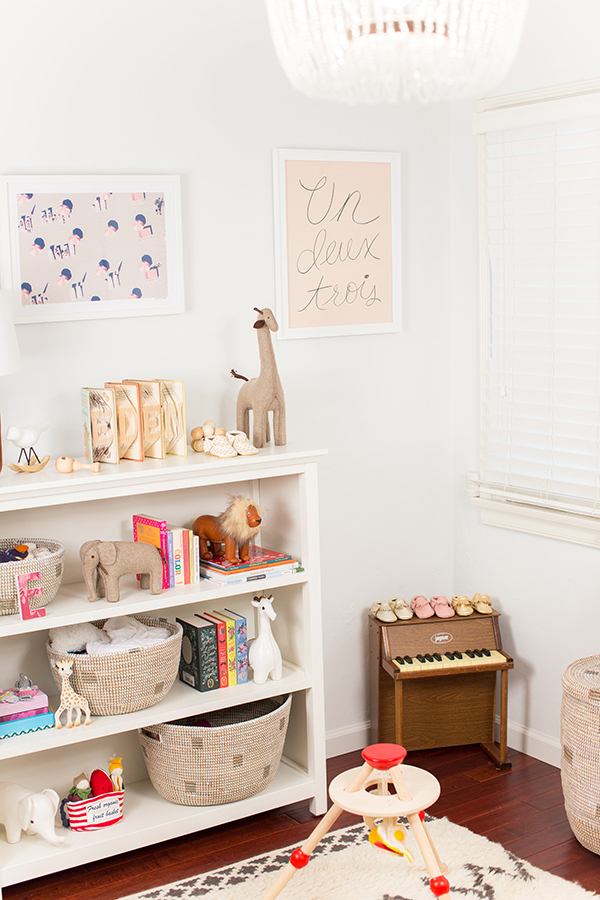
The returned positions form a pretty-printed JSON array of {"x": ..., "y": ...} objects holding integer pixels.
[{"x": 415, "y": 791}]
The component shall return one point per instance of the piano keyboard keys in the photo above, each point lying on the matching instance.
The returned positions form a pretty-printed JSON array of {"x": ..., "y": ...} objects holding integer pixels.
[{"x": 449, "y": 660}]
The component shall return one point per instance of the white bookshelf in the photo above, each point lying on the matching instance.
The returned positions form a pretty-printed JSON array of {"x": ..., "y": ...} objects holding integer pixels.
[{"x": 72, "y": 509}]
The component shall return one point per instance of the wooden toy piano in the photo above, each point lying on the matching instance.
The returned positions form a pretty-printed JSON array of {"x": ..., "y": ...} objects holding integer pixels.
[{"x": 429, "y": 688}]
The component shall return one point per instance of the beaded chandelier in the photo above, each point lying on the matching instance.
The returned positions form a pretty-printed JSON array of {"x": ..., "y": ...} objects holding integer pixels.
[{"x": 364, "y": 51}]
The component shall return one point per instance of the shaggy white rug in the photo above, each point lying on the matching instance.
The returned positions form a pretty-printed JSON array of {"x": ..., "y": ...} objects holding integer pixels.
[{"x": 345, "y": 866}]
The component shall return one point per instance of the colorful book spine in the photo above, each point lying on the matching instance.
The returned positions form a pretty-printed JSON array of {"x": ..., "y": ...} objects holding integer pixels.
[
  {"x": 199, "y": 665},
  {"x": 178, "y": 555},
  {"x": 241, "y": 643},
  {"x": 221, "y": 647},
  {"x": 153, "y": 531},
  {"x": 171, "y": 560},
  {"x": 185, "y": 552},
  {"x": 196, "y": 558},
  {"x": 231, "y": 647}
]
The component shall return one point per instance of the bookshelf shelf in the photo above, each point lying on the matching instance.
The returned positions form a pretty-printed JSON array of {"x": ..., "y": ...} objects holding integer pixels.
[{"x": 83, "y": 506}]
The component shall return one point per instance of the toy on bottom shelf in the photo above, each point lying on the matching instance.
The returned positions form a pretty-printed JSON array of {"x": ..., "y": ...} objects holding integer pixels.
[
  {"x": 264, "y": 656},
  {"x": 95, "y": 802},
  {"x": 235, "y": 527},
  {"x": 24, "y": 708},
  {"x": 69, "y": 700},
  {"x": 104, "y": 562},
  {"x": 22, "y": 809}
]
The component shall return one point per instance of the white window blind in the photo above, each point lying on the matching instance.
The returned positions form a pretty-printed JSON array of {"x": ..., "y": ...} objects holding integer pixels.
[{"x": 540, "y": 204}]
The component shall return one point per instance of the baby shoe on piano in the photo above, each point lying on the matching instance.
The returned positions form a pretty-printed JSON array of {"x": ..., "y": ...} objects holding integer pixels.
[
  {"x": 421, "y": 607},
  {"x": 481, "y": 603},
  {"x": 384, "y": 612},
  {"x": 462, "y": 605},
  {"x": 401, "y": 608},
  {"x": 441, "y": 607}
]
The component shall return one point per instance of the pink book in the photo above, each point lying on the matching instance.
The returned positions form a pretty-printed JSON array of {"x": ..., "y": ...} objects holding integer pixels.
[{"x": 153, "y": 531}]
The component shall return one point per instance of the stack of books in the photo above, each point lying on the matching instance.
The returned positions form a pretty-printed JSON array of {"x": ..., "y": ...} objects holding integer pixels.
[
  {"x": 214, "y": 650},
  {"x": 179, "y": 548},
  {"x": 18, "y": 716},
  {"x": 262, "y": 564}
]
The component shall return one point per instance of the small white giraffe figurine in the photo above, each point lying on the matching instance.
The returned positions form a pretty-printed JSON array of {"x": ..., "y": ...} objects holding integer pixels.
[
  {"x": 263, "y": 653},
  {"x": 69, "y": 700}
]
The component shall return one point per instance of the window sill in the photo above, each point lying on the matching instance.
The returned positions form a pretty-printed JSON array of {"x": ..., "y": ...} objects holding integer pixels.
[{"x": 577, "y": 528}]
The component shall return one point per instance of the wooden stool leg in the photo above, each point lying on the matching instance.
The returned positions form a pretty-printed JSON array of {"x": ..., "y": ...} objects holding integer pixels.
[
  {"x": 300, "y": 856},
  {"x": 438, "y": 881}
]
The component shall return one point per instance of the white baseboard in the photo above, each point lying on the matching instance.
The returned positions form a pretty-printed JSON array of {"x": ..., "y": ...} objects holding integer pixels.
[
  {"x": 526, "y": 740},
  {"x": 344, "y": 740},
  {"x": 534, "y": 743}
]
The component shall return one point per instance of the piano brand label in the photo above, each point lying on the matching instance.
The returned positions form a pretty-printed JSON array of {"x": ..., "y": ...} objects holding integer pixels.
[{"x": 441, "y": 637}]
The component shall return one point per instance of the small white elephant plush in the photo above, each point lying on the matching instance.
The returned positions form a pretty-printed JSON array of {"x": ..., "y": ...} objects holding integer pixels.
[{"x": 24, "y": 810}]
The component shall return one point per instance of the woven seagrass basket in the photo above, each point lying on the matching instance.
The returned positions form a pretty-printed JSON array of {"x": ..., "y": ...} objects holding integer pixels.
[
  {"x": 580, "y": 749},
  {"x": 50, "y": 569},
  {"x": 234, "y": 758},
  {"x": 118, "y": 683}
]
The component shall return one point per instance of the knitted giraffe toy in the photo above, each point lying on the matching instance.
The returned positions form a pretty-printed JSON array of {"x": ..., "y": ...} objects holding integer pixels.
[
  {"x": 263, "y": 394},
  {"x": 69, "y": 700}
]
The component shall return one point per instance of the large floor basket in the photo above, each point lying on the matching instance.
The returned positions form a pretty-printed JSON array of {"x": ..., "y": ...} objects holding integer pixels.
[
  {"x": 580, "y": 749},
  {"x": 124, "y": 682},
  {"x": 50, "y": 568},
  {"x": 237, "y": 756}
]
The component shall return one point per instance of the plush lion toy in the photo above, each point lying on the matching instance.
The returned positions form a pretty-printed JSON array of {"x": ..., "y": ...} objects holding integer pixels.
[{"x": 235, "y": 528}]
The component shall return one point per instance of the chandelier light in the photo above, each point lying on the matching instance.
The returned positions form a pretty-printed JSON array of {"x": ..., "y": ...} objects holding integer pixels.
[{"x": 363, "y": 51}]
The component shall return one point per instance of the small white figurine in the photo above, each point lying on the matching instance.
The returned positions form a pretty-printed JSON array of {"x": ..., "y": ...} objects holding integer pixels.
[
  {"x": 25, "y": 438},
  {"x": 263, "y": 653},
  {"x": 24, "y": 810}
]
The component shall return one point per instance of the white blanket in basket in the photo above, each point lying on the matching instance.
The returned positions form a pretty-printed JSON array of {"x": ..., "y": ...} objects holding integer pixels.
[{"x": 126, "y": 633}]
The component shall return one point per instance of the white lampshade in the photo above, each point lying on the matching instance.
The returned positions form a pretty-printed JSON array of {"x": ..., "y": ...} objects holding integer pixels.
[
  {"x": 10, "y": 358},
  {"x": 364, "y": 51}
]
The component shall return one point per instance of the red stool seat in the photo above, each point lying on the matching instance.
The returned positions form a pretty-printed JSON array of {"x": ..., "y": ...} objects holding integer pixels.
[{"x": 384, "y": 756}]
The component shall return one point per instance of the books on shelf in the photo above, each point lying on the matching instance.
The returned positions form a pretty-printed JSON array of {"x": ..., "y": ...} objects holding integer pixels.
[
  {"x": 241, "y": 577},
  {"x": 263, "y": 563},
  {"x": 179, "y": 548},
  {"x": 214, "y": 650},
  {"x": 129, "y": 419},
  {"x": 99, "y": 411},
  {"x": 260, "y": 558}
]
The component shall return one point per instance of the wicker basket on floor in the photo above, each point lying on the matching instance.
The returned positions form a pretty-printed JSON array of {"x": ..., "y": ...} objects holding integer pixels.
[
  {"x": 50, "y": 569},
  {"x": 237, "y": 756},
  {"x": 580, "y": 749},
  {"x": 124, "y": 682}
]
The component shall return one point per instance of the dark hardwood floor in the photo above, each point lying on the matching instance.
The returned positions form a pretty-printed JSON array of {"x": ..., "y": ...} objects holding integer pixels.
[{"x": 521, "y": 808}]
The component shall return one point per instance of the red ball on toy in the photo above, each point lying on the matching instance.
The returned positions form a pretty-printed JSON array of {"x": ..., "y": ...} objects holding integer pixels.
[{"x": 439, "y": 886}]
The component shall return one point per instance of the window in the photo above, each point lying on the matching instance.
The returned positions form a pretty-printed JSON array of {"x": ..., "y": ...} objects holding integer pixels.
[{"x": 540, "y": 262}]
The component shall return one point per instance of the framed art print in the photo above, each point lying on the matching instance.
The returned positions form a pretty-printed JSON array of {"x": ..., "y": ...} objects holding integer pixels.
[
  {"x": 92, "y": 246},
  {"x": 337, "y": 242}
]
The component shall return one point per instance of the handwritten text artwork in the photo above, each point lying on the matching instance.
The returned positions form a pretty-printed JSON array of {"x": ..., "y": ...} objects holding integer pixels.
[
  {"x": 340, "y": 248},
  {"x": 95, "y": 247}
]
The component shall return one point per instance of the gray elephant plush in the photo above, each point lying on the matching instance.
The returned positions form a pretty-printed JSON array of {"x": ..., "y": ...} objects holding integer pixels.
[
  {"x": 105, "y": 561},
  {"x": 24, "y": 810}
]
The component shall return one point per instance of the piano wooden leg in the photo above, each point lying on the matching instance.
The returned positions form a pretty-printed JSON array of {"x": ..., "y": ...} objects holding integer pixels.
[{"x": 499, "y": 753}]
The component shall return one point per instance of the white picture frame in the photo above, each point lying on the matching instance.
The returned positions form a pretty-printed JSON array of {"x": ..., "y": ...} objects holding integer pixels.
[
  {"x": 91, "y": 247},
  {"x": 338, "y": 249}
]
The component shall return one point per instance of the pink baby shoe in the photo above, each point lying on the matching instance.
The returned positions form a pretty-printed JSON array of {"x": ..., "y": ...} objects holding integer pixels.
[
  {"x": 421, "y": 607},
  {"x": 441, "y": 607}
]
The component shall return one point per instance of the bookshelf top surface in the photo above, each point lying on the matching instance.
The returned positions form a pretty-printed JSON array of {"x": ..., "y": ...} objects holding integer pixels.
[{"x": 49, "y": 487}]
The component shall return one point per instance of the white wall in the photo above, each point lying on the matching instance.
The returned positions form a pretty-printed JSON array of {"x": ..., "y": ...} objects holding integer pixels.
[
  {"x": 194, "y": 88},
  {"x": 547, "y": 590}
]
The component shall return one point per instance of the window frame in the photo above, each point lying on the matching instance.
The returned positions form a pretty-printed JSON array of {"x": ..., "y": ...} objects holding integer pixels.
[{"x": 518, "y": 509}]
